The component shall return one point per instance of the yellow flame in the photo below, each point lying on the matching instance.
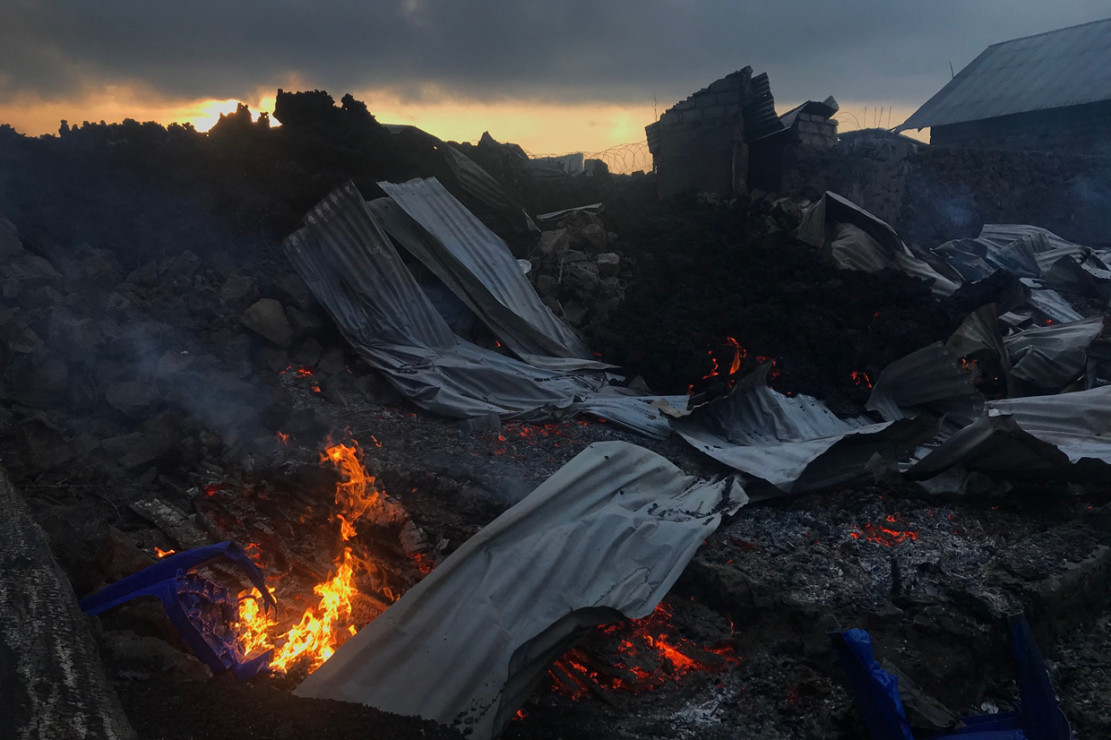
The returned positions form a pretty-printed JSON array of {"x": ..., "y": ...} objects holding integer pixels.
[{"x": 322, "y": 628}]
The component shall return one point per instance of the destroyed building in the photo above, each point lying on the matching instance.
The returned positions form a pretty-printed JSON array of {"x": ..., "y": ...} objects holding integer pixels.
[
  {"x": 727, "y": 136},
  {"x": 1047, "y": 92},
  {"x": 339, "y": 363}
]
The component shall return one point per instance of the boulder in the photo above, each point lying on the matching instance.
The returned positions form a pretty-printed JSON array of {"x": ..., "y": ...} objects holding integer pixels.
[
  {"x": 239, "y": 292},
  {"x": 292, "y": 290},
  {"x": 609, "y": 263},
  {"x": 267, "y": 318}
]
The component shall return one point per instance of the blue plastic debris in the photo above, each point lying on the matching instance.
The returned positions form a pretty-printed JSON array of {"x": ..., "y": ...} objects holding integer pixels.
[
  {"x": 201, "y": 609},
  {"x": 877, "y": 694}
]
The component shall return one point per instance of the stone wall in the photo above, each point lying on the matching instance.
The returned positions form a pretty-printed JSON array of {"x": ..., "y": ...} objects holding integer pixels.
[
  {"x": 952, "y": 192},
  {"x": 1082, "y": 129},
  {"x": 932, "y": 194}
]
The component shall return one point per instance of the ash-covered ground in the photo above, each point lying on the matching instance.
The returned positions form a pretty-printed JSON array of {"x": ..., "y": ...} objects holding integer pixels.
[{"x": 144, "y": 404}]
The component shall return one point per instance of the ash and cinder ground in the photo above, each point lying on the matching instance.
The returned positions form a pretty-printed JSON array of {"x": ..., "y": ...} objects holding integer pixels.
[{"x": 138, "y": 410}]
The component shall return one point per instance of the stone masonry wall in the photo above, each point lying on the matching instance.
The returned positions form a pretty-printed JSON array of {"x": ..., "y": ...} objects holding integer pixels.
[{"x": 1082, "y": 129}]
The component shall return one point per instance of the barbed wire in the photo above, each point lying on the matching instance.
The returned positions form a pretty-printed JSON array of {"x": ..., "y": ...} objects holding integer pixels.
[{"x": 621, "y": 159}]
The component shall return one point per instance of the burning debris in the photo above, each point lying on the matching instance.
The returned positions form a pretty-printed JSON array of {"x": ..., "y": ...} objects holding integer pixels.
[
  {"x": 501, "y": 607},
  {"x": 323, "y": 628}
]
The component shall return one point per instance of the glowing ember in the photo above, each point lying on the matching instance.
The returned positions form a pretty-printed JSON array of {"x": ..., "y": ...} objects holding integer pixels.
[
  {"x": 163, "y": 553},
  {"x": 861, "y": 379},
  {"x": 322, "y": 628},
  {"x": 283, "y": 438},
  {"x": 884, "y": 535},
  {"x": 648, "y": 657}
]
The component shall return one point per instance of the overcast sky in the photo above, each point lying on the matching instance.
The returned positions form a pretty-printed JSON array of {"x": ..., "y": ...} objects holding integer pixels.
[{"x": 622, "y": 52}]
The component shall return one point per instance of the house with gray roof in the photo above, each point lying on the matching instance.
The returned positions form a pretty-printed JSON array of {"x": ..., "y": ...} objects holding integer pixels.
[{"x": 1047, "y": 92}]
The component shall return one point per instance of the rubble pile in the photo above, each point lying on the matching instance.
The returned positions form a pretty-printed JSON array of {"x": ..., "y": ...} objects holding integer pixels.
[
  {"x": 184, "y": 334},
  {"x": 576, "y": 269}
]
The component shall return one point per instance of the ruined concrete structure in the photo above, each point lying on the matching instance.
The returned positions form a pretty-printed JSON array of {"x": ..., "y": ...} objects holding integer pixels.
[
  {"x": 727, "y": 136},
  {"x": 1048, "y": 92}
]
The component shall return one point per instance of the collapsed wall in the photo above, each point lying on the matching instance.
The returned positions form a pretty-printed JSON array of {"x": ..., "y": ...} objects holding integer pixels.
[{"x": 702, "y": 142}]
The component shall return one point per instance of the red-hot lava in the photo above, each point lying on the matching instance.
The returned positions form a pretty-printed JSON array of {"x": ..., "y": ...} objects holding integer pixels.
[{"x": 647, "y": 656}]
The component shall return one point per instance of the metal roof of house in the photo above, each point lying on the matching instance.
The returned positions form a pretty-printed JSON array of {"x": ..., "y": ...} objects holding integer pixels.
[{"x": 1070, "y": 66}]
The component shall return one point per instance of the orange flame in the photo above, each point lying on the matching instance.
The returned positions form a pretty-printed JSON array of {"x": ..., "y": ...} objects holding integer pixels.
[
  {"x": 283, "y": 438},
  {"x": 163, "y": 553},
  {"x": 322, "y": 628},
  {"x": 861, "y": 379}
]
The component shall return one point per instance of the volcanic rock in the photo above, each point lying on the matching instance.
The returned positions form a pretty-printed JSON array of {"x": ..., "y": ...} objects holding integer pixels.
[
  {"x": 135, "y": 398},
  {"x": 140, "y": 658},
  {"x": 267, "y": 319},
  {"x": 10, "y": 246},
  {"x": 239, "y": 292},
  {"x": 16, "y": 334},
  {"x": 609, "y": 263},
  {"x": 40, "y": 380},
  {"x": 291, "y": 289},
  {"x": 553, "y": 242},
  {"x": 304, "y": 323}
]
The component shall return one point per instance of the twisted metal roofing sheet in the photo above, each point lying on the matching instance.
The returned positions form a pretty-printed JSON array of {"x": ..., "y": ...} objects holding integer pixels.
[
  {"x": 348, "y": 261},
  {"x": 795, "y": 443},
  {"x": 1070, "y": 66},
  {"x": 604, "y": 537},
  {"x": 479, "y": 268},
  {"x": 1054, "y": 436}
]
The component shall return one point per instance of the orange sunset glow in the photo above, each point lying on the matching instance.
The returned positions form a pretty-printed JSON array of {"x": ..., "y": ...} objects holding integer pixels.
[{"x": 540, "y": 127}]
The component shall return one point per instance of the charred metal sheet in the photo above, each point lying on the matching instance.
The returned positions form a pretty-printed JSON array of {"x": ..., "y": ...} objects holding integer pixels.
[
  {"x": 857, "y": 240},
  {"x": 348, "y": 261},
  {"x": 978, "y": 332},
  {"x": 1048, "y": 70},
  {"x": 1053, "y": 305},
  {"x": 1062, "y": 436},
  {"x": 479, "y": 268},
  {"x": 553, "y": 217},
  {"x": 1031, "y": 253},
  {"x": 795, "y": 442},
  {"x": 928, "y": 380},
  {"x": 603, "y": 538},
  {"x": 481, "y": 185},
  {"x": 1052, "y": 357}
]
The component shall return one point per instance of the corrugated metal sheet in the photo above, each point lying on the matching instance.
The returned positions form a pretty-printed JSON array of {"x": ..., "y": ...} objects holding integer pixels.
[
  {"x": 479, "y": 268},
  {"x": 759, "y": 110},
  {"x": 930, "y": 380},
  {"x": 480, "y": 185},
  {"x": 1052, "y": 357},
  {"x": 1070, "y": 66},
  {"x": 795, "y": 443},
  {"x": 1052, "y": 436},
  {"x": 856, "y": 239},
  {"x": 348, "y": 261},
  {"x": 605, "y": 537}
]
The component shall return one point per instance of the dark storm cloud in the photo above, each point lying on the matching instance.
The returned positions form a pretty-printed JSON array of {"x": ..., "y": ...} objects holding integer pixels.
[{"x": 614, "y": 50}]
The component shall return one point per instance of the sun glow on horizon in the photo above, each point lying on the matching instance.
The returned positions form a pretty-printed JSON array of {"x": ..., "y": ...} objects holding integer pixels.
[{"x": 542, "y": 128}]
